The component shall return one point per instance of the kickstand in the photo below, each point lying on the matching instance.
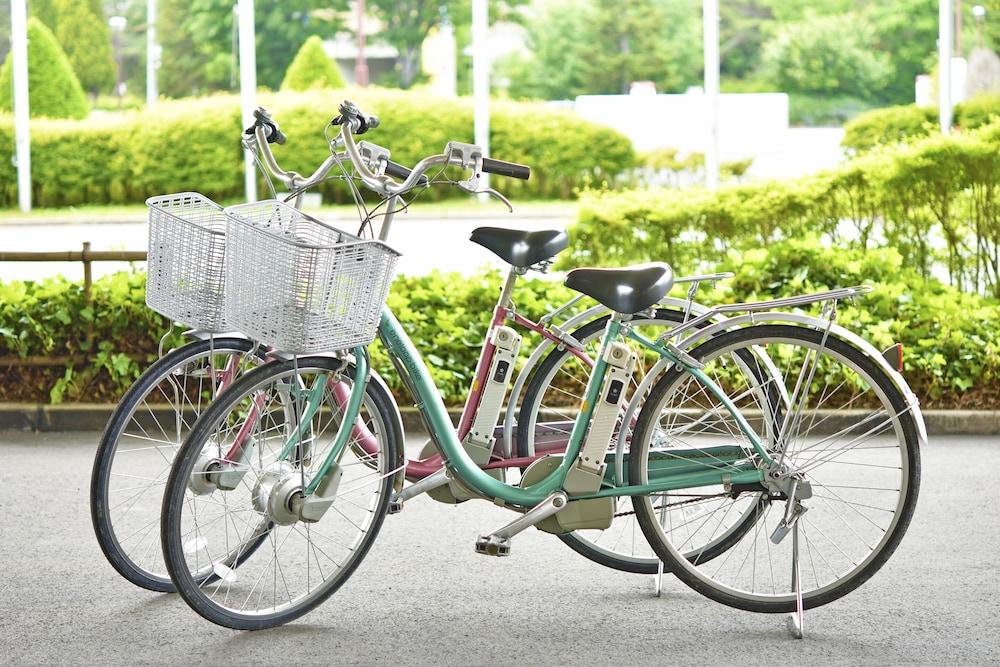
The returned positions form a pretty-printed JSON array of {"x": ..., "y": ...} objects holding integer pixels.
[
  {"x": 795, "y": 622},
  {"x": 658, "y": 588}
]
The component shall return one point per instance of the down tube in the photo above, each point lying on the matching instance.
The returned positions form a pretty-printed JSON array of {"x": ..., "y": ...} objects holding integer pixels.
[{"x": 400, "y": 346}]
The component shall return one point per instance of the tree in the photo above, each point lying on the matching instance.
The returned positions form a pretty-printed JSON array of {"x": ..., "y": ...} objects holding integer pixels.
[
  {"x": 87, "y": 42},
  {"x": 53, "y": 89},
  {"x": 312, "y": 68},
  {"x": 198, "y": 40},
  {"x": 406, "y": 24},
  {"x": 44, "y": 11},
  {"x": 906, "y": 31},
  {"x": 601, "y": 46},
  {"x": 825, "y": 55}
]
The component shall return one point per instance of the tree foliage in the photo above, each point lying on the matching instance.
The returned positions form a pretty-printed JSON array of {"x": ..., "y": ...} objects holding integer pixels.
[
  {"x": 86, "y": 38},
  {"x": 198, "y": 40},
  {"x": 312, "y": 68},
  {"x": 53, "y": 89},
  {"x": 601, "y": 46},
  {"x": 826, "y": 55},
  {"x": 407, "y": 23}
]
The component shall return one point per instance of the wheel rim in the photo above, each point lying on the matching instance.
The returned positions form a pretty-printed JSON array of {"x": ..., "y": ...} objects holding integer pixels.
[{"x": 856, "y": 457}]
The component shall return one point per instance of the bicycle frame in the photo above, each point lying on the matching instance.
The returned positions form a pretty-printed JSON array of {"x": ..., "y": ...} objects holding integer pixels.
[{"x": 443, "y": 434}]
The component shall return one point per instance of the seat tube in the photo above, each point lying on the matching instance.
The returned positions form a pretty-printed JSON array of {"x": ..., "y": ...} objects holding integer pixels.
[{"x": 486, "y": 355}]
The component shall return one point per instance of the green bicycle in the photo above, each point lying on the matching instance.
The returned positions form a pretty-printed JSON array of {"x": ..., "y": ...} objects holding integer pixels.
[{"x": 820, "y": 459}]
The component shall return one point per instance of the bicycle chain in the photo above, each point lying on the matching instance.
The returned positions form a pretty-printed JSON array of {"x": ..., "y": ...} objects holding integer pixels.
[{"x": 694, "y": 499}]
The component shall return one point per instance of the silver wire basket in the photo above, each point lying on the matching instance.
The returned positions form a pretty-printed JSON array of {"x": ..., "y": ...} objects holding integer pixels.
[
  {"x": 187, "y": 245},
  {"x": 299, "y": 285}
]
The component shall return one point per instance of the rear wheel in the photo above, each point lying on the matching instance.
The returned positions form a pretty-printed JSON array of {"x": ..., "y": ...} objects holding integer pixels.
[{"x": 849, "y": 433}]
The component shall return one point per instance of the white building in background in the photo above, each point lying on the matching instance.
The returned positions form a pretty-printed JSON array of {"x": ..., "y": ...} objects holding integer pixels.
[{"x": 751, "y": 125}]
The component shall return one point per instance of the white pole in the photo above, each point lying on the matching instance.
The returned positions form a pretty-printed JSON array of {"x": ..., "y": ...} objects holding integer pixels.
[
  {"x": 944, "y": 65},
  {"x": 710, "y": 22},
  {"x": 151, "y": 54},
  {"x": 248, "y": 86},
  {"x": 481, "y": 81},
  {"x": 22, "y": 137}
]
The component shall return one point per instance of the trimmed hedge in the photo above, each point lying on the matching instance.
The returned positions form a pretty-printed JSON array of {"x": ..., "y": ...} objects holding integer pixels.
[
  {"x": 945, "y": 188},
  {"x": 194, "y": 145},
  {"x": 893, "y": 125},
  {"x": 951, "y": 339}
]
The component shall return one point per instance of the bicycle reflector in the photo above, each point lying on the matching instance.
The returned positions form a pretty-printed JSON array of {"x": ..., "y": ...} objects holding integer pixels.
[{"x": 894, "y": 355}]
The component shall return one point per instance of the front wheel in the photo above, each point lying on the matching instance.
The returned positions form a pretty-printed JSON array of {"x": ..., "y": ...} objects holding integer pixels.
[
  {"x": 302, "y": 560},
  {"x": 138, "y": 446},
  {"x": 848, "y": 432}
]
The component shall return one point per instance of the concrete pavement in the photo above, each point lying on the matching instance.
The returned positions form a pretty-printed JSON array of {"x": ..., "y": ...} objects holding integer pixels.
[
  {"x": 422, "y": 596},
  {"x": 427, "y": 243}
]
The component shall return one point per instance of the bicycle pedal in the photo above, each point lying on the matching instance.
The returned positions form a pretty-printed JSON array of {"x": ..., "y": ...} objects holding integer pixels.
[
  {"x": 395, "y": 504},
  {"x": 493, "y": 545}
]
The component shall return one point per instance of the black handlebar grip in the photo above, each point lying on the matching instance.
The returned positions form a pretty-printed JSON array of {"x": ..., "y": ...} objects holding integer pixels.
[
  {"x": 509, "y": 169},
  {"x": 397, "y": 170},
  {"x": 275, "y": 136}
]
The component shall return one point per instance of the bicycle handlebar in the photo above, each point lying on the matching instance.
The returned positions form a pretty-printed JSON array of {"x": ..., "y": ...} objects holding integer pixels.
[
  {"x": 509, "y": 169},
  {"x": 397, "y": 170},
  {"x": 352, "y": 121},
  {"x": 263, "y": 120}
]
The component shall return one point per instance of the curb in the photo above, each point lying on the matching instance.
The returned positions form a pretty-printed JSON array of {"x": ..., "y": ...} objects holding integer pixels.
[{"x": 94, "y": 416}]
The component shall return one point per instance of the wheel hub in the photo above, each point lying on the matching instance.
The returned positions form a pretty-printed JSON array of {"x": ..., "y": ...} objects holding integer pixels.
[
  {"x": 278, "y": 492},
  {"x": 203, "y": 477}
]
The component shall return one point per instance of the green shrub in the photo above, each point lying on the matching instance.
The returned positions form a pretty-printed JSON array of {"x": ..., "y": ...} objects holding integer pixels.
[
  {"x": 977, "y": 111},
  {"x": 906, "y": 197},
  {"x": 194, "y": 145},
  {"x": 312, "y": 68},
  {"x": 951, "y": 340},
  {"x": 890, "y": 125},
  {"x": 893, "y": 125},
  {"x": 53, "y": 89}
]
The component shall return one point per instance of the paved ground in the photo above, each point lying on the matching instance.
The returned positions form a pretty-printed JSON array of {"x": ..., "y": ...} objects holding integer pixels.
[
  {"x": 426, "y": 243},
  {"x": 423, "y": 596}
]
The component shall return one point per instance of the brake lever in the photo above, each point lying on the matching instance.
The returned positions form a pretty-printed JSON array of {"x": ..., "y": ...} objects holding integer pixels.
[{"x": 494, "y": 193}]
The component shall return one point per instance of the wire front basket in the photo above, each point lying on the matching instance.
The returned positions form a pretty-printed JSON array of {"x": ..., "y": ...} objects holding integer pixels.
[
  {"x": 187, "y": 245},
  {"x": 299, "y": 285}
]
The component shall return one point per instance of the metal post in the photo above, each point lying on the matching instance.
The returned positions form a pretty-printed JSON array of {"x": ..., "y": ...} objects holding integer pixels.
[
  {"x": 361, "y": 66},
  {"x": 944, "y": 65},
  {"x": 152, "y": 54},
  {"x": 710, "y": 24},
  {"x": 22, "y": 138},
  {"x": 481, "y": 81},
  {"x": 248, "y": 86}
]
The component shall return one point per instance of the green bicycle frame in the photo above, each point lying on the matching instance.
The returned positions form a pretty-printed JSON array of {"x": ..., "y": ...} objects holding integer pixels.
[
  {"x": 443, "y": 433},
  {"x": 314, "y": 400}
]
